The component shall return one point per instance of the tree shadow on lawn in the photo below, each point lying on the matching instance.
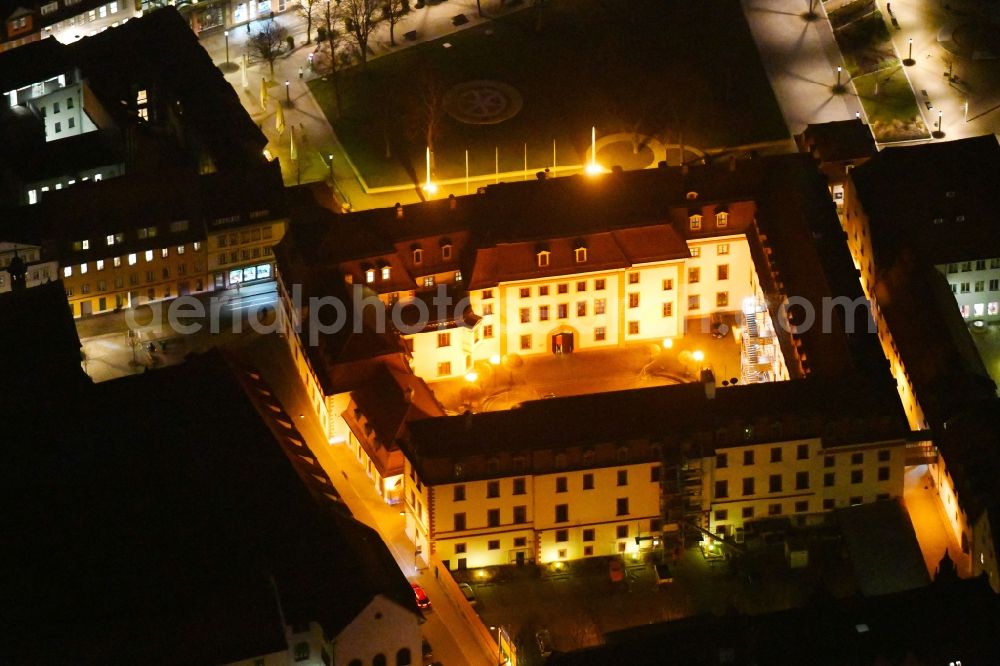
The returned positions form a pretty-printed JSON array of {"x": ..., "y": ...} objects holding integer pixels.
[{"x": 641, "y": 67}]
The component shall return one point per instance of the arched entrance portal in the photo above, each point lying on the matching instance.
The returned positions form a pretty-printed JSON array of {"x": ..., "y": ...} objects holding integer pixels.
[{"x": 562, "y": 340}]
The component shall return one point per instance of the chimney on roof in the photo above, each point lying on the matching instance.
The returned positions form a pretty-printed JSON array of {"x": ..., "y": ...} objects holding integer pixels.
[
  {"x": 452, "y": 201},
  {"x": 708, "y": 379},
  {"x": 399, "y": 211}
]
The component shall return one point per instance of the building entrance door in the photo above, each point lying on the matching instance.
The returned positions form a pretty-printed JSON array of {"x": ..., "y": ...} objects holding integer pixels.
[
  {"x": 562, "y": 343},
  {"x": 519, "y": 558}
]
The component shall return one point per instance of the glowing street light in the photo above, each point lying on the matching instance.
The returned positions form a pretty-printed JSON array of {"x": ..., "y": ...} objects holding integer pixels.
[
  {"x": 226, "y": 33},
  {"x": 288, "y": 97},
  {"x": 472, "y": 376},
  {"x": 429, "y": 187},
  {"x": 698, "y": 355},
  {"x": 668, "y": 343},
  {"x": 593, "y": 168},
  {"x": 495, "y": 359}
]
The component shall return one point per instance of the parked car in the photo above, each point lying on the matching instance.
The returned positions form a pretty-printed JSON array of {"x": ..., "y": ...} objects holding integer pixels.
[
  {"x": 422, "y": 600},
  {"x": 544, "y": 641},
  {"x": 468, "y": 593},
  {"x": 616, "y": 570}
]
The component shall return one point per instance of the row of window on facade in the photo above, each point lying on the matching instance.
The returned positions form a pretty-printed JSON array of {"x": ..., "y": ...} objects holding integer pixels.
[
  {"x": 776, "y": 484},
  {"x": 776, "y": 455},
  {"x": 244, "y": 236},
  {"x": 587, "y": 535},
  {"x": 979, "y": 286},
  {"x": 543, "y": 258},
  {"x": 141, "y": 234},
  {"x": 561, "y": 484},
  {"x": 244, "y": 255},
  {"x": 102, "y": 11},
  {"x": 418, "y": 252},
  {"x": 33, "y": 193},
  {"x": 979, "y": 265},
  {"x": 776, "y": 509},
  {"x": 980, "y": 309},
  {"x": 519, "y": 463},
  {"x": 385, "y": 272},
  {"x": 131, "y": 259},
  {"x": 721, "y": 221},
  {"x": 519, "y": 515},
  {"x": 133, "y": 281}
]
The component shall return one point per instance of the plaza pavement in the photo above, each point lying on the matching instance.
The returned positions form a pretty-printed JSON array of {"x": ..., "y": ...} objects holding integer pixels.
[
  {"x": 975, "y": 81},
  {"x": 801, "y": 58}
]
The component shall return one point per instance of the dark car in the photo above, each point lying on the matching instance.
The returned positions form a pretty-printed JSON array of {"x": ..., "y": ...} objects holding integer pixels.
[{"x": 422, "y": 600}]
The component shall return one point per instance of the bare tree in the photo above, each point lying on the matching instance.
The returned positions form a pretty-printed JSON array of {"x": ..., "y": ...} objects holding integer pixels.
[
  {"x": 392, "y": 12},
  {"x": 360, "y": 21},
  {"x": 427, "y": 108},
  {"x": 312, "y": 10},
  {"x": 267, "y": 44}
]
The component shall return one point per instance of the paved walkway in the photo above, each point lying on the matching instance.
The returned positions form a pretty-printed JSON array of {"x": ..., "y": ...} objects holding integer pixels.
[
  {"x": 801, "y": 58},
  {"x": 929, "y": 522},
  {"x": 975, "y": 81}
]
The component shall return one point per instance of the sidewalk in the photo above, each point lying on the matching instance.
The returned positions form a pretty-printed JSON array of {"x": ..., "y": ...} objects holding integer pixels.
[
  {"x": 801, "y": 58},
  {"x": 975, "y": 81}
]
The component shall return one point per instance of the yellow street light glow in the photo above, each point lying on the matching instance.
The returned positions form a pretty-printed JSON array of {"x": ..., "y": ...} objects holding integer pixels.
[
  {"x": 698, "y": 355},
  {"x": 593, "y": 168},
  {"x": 668, "y": 343},
  {"x": 495, "y": 359},
  {"x": 429, "y": 187},
  {"x": 471, "y": 376}
]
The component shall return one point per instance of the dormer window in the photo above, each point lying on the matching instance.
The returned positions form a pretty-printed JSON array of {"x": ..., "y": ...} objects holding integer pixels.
[
  {"x": 581, "y": 254},
  {"x": 370, "y": 275},
  {"x": 446, "y": 249},
  {"x": 722, "y": 220},
  {"x": 418, "y": 256},
  {"x": 694, "y": 221},
  {"x": 543, "y": 258},
  {"x": 385, "y": 272}
]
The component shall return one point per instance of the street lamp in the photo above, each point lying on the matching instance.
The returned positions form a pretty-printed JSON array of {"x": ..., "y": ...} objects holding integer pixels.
[
  {"x": 226, "y": 33},
  {"x": 909, "y": 55},
  {"x": 839, "y": 69},
  {"x": 331, "y": 165},
  {"x": 698, "y": 355},
  {"x": 288, "y": 98}
]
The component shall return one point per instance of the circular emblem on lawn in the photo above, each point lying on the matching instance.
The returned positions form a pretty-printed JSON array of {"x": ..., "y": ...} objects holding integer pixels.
[{"x": 482, "y": 102}]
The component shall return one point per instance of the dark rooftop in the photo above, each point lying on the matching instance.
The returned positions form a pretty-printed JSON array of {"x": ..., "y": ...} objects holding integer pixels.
[
  {"x": 130, "y": 525},
  {"x": 825, "y": 408},
  {"x": 838, "y": 141},
  {"x": 938, "y": 199},
  {"x": 941, "y": 623}
]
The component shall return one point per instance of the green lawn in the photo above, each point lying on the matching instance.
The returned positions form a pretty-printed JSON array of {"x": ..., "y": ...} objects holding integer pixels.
[
  {"x": 662, "y": 67},
  {"x": 893, "y": 112}
]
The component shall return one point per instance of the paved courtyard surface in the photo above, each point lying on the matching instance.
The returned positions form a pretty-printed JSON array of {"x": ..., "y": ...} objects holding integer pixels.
[
  {"x": 987, "y": 341},
  {"x": 927, "y": 23},
  {"x": 640, "y": 365}
]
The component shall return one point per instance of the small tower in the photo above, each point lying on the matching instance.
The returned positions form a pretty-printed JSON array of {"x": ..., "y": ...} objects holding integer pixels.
[
  {"x": 18, "y": 273},
  {"x": 946, "y": 571}
]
